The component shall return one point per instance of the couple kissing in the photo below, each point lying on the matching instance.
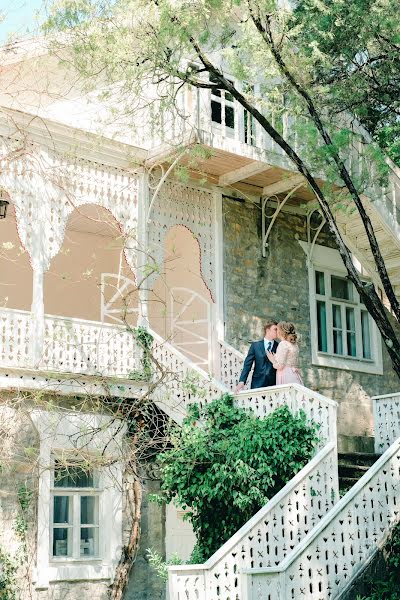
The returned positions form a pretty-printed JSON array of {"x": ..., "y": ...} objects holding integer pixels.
[{"x": 274, "y": 362}]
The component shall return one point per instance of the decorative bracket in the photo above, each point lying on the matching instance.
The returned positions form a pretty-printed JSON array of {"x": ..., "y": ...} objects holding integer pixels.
[
  {"x": 155, "y": 182},
  {"x": 273, "y": 205},
  {"x": 313, "y": 231}
]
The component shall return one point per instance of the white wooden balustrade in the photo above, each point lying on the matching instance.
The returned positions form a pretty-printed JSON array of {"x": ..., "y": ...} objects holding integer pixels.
[
  {"x": 386, "y": 411},
  {"x": 318, "y": 408},
  {"x": 70, "y": 345},
  {"x": 183, "y": 383},
  {"x": 15, "y": 338},
  {"x": 285, "y": 520},
  {"x": 231, "y": 364},
  {"x": 325, "y": 561}
]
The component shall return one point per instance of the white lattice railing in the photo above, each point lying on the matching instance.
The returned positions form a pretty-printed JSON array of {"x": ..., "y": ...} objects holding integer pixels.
[
  {"x": 183, "y": 382},
  {"x": 70, "y": 345},
  {"x": 386, "y": 410},
  {"x": 331, "y": 555},
  {"x": 79, "y": 346},
  {"x": 285, "y": 520},
  {"x": 318, "y": 408},
  {"x": 230, "y": 365},
  {"x": 15, "y": 338}
]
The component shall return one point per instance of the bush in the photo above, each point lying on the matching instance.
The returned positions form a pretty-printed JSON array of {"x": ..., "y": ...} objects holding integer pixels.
[{"x": 225, "y": 464}]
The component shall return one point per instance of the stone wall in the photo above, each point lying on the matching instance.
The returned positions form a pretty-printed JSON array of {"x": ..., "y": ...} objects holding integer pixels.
[
  {"x": 276, "y": 286},
  {"x": 19, "y": 447}
]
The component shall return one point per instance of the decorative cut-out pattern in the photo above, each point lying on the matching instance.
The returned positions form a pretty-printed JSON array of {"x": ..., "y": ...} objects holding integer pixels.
[
  {"x": 178, "y": 204},
  {"x": 184, "y": 383},
  {"x": 78, "y": 346},
  {"x": 45, "y": 187},
  {"x": 70, "y": 345},
  {"x": 339, "y": 548},
  {"x": 15, "y": 338},
  {"x": 318, "y": 409},
  {"x": 231, "y": 364},
  {"x": 387, "y": 421}
]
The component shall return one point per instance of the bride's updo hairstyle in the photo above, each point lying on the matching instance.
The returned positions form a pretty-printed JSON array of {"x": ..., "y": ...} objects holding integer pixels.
[{"x": 288, "y": 330}]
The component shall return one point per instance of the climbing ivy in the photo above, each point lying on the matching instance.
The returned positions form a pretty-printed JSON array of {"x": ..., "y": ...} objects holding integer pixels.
[
  {"x": 225, "y": 464},
  {"x": 8, "y": 570},
  {"x": 145, "y": 340}
]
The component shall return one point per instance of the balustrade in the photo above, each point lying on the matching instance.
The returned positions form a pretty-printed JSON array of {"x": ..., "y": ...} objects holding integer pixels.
[
  {"x": 328, "y": 558},
  {"x": 69, "y": 345},
  {"x": 386, "y": 411},
  {"x": 267, "y": 538}
]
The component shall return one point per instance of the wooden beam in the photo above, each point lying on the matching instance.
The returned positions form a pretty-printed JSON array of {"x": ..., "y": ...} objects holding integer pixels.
[
  {"x": 284, "y": 185},
  {"x": 253, "y": 168}
]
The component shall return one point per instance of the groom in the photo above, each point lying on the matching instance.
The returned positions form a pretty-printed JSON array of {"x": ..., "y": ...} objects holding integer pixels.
[{"x": 264, "y": 373}]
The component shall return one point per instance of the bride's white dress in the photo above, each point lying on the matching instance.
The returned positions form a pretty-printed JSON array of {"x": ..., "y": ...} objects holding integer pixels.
[{"x": 286, "y": 363}]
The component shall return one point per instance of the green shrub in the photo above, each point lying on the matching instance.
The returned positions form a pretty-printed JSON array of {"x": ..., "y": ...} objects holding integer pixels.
[{"x": 225, "y": 464}]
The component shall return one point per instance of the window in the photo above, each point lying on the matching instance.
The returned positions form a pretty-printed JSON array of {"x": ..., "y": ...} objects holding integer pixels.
[
  {"x": 80, "y": 518},
  {"x": 343, "y": 324},
  {"x": 75, "y": 516},
  {"x": 222, "y": 108},
  {"x": 343, "y": 334}
]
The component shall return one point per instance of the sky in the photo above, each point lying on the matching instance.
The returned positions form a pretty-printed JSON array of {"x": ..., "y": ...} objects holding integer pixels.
[{"x": 19, "y": 17}]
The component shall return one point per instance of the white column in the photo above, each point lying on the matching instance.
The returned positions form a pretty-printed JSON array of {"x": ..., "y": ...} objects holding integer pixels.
[
  {"x": 142, "y": 253},
  {"x": 37, "y": 310},
  {"x": 218, "y": 321}
]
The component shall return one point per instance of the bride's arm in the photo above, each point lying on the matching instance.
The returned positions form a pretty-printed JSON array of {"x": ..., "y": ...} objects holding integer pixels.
[{"x": 279, "y": 359}]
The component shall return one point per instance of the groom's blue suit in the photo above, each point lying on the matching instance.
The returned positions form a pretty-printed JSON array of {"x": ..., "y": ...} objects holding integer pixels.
[{"x": 264, "y": 373}]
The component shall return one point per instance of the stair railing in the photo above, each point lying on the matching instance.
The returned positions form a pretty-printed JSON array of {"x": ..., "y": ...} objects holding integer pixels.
[
  {"x": 285, "y": 520},
  {"x": 386, "y": 410},
  {"x": 326, "y": 561}
]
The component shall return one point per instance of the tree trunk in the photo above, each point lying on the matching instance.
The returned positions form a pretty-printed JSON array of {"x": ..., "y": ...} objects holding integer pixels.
[{"x": 129, "y": 551}]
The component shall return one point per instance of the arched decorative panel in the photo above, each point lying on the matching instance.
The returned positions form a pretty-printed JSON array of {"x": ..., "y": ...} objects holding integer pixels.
[
  {"x": 46, "y": 187},
  {"x": 178, "y": 204}
]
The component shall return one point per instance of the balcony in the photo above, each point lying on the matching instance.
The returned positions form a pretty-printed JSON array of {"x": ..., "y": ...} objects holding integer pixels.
[{"x": 70, "y": 346}]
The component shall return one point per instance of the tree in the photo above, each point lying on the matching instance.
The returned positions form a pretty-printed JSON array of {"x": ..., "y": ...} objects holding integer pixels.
[
  {"x": 131, "y": 46},
  {"x": 227, "y": 468},
  {"x": 355, "y": 50}
]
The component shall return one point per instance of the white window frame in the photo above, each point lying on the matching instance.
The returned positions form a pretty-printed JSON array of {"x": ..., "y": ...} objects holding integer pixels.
[
  {"x": 328, "y": 261},
  {"x": 75, "y": 493},
  {"x": 224, "y": 103},
  {"x": 57, "y": 432}
]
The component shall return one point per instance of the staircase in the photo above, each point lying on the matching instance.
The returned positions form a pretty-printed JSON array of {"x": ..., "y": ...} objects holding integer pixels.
[
  {"x": 352, "y": 466},
  {"x": 306, "y": 542}
]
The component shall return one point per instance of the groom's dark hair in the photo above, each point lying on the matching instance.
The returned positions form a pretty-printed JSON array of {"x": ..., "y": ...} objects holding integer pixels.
[{"x": 269, "y": 324}]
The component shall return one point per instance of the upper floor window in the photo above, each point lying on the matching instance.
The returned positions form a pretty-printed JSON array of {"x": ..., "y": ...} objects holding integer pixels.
[
  {"x": 75, "y": 511},
  {"x": 222, "y": 107}
]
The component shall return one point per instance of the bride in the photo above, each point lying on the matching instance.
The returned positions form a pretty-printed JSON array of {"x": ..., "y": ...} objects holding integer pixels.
[{"x": 286, "y": 358}]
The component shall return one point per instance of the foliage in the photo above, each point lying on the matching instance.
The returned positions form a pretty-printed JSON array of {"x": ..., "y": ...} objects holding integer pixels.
[
  {"x": 160, "y": 565},
  {"x": 228, "y": 466},
  {"x": 354, "y": 51},
  {"x": 8, "y": 570},
  {"x": 388, "y": 589},
  {"x": 145, "y": 340},
  {"x": 25, "y": 495}
]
